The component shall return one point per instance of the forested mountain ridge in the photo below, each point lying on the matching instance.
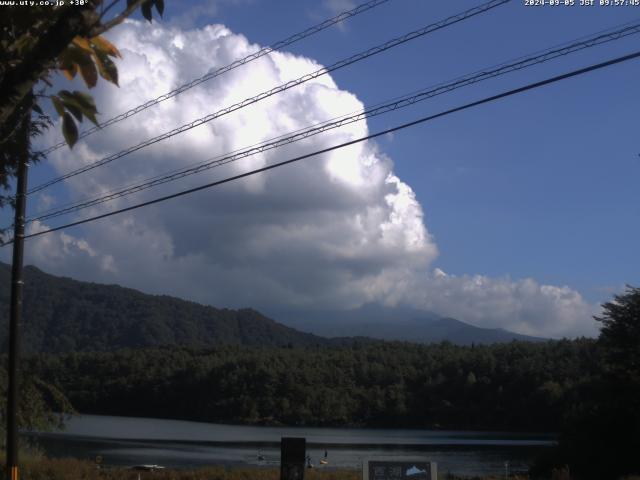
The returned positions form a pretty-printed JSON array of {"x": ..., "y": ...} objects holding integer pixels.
[{"x": 64, "y": 315}]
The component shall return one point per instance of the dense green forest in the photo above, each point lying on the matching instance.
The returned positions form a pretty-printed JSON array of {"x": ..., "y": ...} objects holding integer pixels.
[{"x": 516, "y": 386}]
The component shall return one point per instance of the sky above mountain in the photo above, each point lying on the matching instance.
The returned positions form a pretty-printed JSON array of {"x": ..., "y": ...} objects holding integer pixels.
[{"x": 521, "y": 214}]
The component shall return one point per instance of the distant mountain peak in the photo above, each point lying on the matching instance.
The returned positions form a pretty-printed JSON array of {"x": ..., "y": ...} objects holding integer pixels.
[{"x": 402, "y": 323}]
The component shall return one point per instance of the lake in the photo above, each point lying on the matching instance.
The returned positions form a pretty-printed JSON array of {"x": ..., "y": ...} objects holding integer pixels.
[{"x": 182, "y": 444}]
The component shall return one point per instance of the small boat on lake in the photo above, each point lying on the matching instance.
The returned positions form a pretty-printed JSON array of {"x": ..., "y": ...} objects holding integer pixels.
[{"x": 147, "y": 468}]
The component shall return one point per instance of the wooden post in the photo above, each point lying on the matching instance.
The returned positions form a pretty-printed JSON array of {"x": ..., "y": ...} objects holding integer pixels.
[{"x": 15, "y": 317}]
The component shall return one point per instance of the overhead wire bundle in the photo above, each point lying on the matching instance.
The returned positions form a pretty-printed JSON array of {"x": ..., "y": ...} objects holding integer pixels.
[
  {"x": 379, "y": 109},
  {"x": 394, "y": 42},
  {"x": 485, "y": 100},
  {"x": 279, "y": 45}
]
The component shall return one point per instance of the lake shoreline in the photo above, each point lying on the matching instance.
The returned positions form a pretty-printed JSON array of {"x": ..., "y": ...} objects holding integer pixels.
[
  {"x": 310, "y": 444},
  {"x": 436, "y": 427}
]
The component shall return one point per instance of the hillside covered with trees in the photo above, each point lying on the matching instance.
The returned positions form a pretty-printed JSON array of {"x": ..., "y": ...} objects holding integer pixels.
[{"x": 66, "y": 315}]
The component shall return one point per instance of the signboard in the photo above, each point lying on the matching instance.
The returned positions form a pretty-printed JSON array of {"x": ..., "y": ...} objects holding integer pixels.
[
  {"x": 292, "y": 455},
  {"x": 399, "y": 468}
]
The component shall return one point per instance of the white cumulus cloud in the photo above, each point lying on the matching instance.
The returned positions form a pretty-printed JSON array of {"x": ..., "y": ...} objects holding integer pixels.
[{"x": 523, "y": 306}]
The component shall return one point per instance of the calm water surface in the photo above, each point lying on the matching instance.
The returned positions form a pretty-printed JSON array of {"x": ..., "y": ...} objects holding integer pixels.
[{"x": 173, "y": 443}]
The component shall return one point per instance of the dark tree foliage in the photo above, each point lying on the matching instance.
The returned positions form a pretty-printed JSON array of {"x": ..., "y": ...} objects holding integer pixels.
[
  {"x": 601, "y": 437},
  {"x": 15, "y": 143},
  {"x": 42, "y": 406},
  {"x": 515, "y": 386},
  {"x": 620, "y": 335}
]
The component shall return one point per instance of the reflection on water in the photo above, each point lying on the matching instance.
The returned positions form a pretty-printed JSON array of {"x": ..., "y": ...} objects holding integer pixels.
[{"x": 128, "y": 441}]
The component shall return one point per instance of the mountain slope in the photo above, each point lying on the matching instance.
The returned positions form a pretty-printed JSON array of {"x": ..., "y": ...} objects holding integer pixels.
[
  {"x": 63, "y": 315},
  {"x": 396, "y": 323}
]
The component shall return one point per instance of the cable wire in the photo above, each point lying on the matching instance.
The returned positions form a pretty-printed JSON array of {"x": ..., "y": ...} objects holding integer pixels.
[
  {"x": 281, "y": 88},
  {"x": 493, "y": 98},
  {"x": 222, "y": 70},
  {"x": 395, "y": 104}
]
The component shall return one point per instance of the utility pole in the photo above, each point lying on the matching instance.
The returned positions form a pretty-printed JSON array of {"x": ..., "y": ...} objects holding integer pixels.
[{"x": 16, "y": 305}]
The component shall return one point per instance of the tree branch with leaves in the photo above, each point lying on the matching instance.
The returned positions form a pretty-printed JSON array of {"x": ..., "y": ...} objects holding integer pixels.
[{"x": 39, "y": 42}]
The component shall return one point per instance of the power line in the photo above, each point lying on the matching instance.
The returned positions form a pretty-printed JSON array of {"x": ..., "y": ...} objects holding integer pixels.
[
  {"x": 382, "y": 108},
  {"x": 222, "y": 70},
  {"x": 508, "y": 93},
  {"x": 586, "y": 41},
  {"x": 281, "y": 88}
]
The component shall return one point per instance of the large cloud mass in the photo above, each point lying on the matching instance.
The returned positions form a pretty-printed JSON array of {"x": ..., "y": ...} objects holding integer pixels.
[{"x": 334, "y": 231}]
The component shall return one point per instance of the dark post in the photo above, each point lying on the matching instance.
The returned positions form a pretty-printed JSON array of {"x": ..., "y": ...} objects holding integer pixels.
[
  {"x": 292, "y": 453},
  {"x": 15, "y": 318}
]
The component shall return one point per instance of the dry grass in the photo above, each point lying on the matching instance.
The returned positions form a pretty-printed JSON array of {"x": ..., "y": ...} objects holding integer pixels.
[
  {"x": 72, "y": 469},
  {"x": 40, "y": 468}
]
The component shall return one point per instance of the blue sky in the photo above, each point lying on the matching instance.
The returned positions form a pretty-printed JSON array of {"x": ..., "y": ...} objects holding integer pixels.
[{"x": 521, "y": 214}]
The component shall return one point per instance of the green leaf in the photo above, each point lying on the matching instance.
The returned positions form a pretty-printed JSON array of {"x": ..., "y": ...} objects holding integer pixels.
[
  {"x": 75, "y": 54},
  {"x": 69, "y": 130},
  {"x": 89, "y": 74},
  {"x": 82, "y": 103},
  {"x": 57, "y": 103},
  {"x": 74, "y": 110},
  {"x": 85, "y": 100},
  {"x": 68, "y": 99},
  {"x": 82, "y": 43},
  {"x": 107, "y": 68},
  {"x": 159, "y": 6},
  {"x": 25, "y": 43},
  {"x": 105, "y": 46},
  {"x": 70, "y": 70},
  {"x": 110, "y": 69},
  {"x": 92, "y": 117},
  {"x": 146, "y": 10}
]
